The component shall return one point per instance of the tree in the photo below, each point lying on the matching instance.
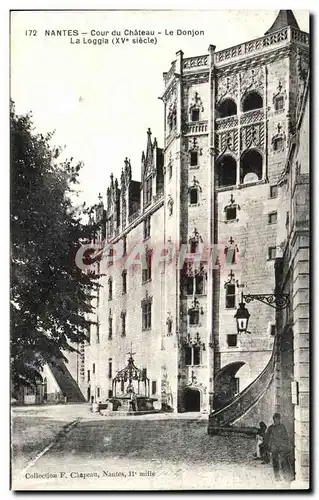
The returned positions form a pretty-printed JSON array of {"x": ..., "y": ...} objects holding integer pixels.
[{"x": 51, "y": 297}]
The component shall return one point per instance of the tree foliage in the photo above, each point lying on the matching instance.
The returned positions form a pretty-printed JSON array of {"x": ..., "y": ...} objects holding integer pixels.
[{"x": 51, "y": 298}]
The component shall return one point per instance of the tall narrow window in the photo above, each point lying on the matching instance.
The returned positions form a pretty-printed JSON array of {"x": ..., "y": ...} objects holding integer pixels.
[
  {"x": 98, "y": 392},
  {"x": 110, "y": 327},
  {"x": 193, "y": 196},
  {"x": 147, "y": 228},
  {"x": 230, "y": 296},
  {"x": 188, "y": 355},
  {"x": 279, "y": 103},
  {"x": 146, "y": 316},
  {"x": 147, "y": 273},
  {"x": 153, "y": 387},
  {"x": 192, "y": 355},
  {"x": 148, "y": 191},
  {"x": 124, "y": 282},
  {"x": 122, "y": 385},
  {"x": 110, "y": 288},
  {"x": 194, "y": 158},
  {"x": 189, "y": 285},
  {"x": 93, "y": 368},
  {"x": 195, "y": 115},
  {"x": 273, "y": 191},
  {"x": 89, "y": 376},
  {"x": 110, "y": 369},
  {"x": 199, "y": 285},
  {"x": 123, "y": 319},
  {"x": 271, "y": 253}
]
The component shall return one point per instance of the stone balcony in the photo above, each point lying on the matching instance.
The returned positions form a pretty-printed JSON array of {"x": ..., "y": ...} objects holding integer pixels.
[{"x": 191, "y": 128}]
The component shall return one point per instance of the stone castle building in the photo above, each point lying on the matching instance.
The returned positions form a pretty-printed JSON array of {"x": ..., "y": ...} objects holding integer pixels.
[{"x": 223, "y": 186}]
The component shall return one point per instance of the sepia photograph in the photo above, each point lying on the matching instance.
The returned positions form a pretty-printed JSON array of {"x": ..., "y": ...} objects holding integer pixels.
[{"x": 159, "y": 250}]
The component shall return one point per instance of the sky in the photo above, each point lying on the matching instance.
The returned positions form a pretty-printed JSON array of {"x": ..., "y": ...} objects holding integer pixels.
[{"x": 101, "y": 99}]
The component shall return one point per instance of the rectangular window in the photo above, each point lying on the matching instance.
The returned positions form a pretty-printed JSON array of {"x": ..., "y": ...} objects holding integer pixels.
[
  {"x": 188, "y": 356},
  {"x": 194, "y": 158},
  {"x": 278, "y": 144},
  {"x": 193, "y": 196},
  {"x": 232, "y": 340},
  {"x": 144, "y": 373},
  {"x": 124, "y": 246},
  {"x": 193, "y": 246},
  {"x": 110, "y": 369},
  {"x": 230, "y": 296},
  {"x": 148, "y": 191},
  {"x": 110, "y": 393},
  {"x": 273, "y": 191},
  {"x": 272, "y": 330},
  {"x": 199, "y": 285},
  {"x": 231, "y": 213},
  {"x": 89, "y": 376},
  {"x": 170, "y": 170},
  {"x": 110, "y": 327},
  {"x": 271, "y": 253},
  {"x": 124, "y": 282},
  {"x": 272, "y": 218},
  {"x": 110, "y": 257},
  {"x": 98, "y": 392},
  {"x": 122, "y": 385},
  {"x": 123, "y": 318},
  {"x": 193, "y": 317},
  {"x": 147, "y": 316},
  {"x": 153, "y": 387},
  {"x": 279, "y": 103},
  {"x": 147, "y": 273},
  {"x": 189, "y": 285},
  {"x": 110, "y": 289},
  {"x": 147, "y": 228},
  {"x": 195, "y": 115},
  {"x": 196, "y": 355},
  {"x": 93, "y": 368}
]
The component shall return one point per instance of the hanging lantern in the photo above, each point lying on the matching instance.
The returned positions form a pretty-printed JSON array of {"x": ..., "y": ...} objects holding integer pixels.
[{"x": 242, "y": 317}]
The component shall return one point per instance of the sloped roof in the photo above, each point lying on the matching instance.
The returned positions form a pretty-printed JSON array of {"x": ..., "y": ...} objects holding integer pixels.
[{"x": 284, "y": 18}]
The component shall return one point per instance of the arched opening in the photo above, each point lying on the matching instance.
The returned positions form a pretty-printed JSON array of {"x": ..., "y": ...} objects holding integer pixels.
[
  {"x": 227, "y": 385},
  {"x": 227, "y": 108},
  {"x": 226, "y": 171},
  {"x": 191, "y": 400},
  {"x": 251, "y": 164},
  {"x": 253, "y": 100}
]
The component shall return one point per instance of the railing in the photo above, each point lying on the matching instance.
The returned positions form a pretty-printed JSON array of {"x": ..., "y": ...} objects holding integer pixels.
[
  {"x": 195, "y": 127},
  {"x": 260, "y": 44},
  {"x": 133, "y": 216},
  {"x": 245, "y": 399},
  {"x": 227, "y": 122},
  {"x": 256, "y": 115},
  {"x": 195, "y": 62}
]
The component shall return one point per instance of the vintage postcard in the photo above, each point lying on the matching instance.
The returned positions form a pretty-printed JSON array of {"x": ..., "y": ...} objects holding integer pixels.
[{"x": 159, "y": 250}]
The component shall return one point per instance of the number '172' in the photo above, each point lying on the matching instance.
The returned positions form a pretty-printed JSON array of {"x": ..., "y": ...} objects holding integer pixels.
[{"x": 30, "y": 32}]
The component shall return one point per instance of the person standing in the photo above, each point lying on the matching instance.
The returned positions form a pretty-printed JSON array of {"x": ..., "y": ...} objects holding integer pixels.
[{"x": 277, "y": 442}]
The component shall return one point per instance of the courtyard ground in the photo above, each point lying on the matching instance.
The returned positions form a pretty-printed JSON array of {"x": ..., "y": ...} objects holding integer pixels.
[{"x": 158, "y": 452}]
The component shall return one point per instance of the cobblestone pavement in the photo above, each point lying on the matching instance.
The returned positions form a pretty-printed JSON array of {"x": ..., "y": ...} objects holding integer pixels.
[{"x": 156, "y": 454}]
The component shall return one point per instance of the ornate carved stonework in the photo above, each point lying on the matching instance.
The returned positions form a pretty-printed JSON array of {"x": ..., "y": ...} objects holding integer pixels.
[
  {"x": 228, "y": 142},
  {"x": 227, "y": 86},
  {"x": 252, "y": 79},
  {"x": 252, "y": 135},
  {"x": 196, "y": 103},
  {"x": 192, "y": 145},
  {"x": 278, "y": 139},
  {"x": 226, "y": 123},
  {"x": 195, "y": 62},
  {"x": 197, "y": 78},
  {"x": 257, "y": 115},
  {"x": 281, "y": 93}
]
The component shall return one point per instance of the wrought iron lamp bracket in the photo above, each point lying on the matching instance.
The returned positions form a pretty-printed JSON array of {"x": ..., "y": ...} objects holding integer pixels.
[{"x": 278, "y": 301}]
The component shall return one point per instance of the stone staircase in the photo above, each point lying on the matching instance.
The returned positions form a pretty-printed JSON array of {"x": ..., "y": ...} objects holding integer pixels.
[
  {"x": 232, "y": 416},
  {"x": 66, "y": 382}
]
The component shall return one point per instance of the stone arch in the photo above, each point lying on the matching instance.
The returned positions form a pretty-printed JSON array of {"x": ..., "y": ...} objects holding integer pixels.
[
  {"x": 251, "y": 162},
  {"x": 225, "y": 388},
  {"x": 252, "y": 100},
  {"x": 227, "y": 107},
  {"x": 226, "y": 168}
]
